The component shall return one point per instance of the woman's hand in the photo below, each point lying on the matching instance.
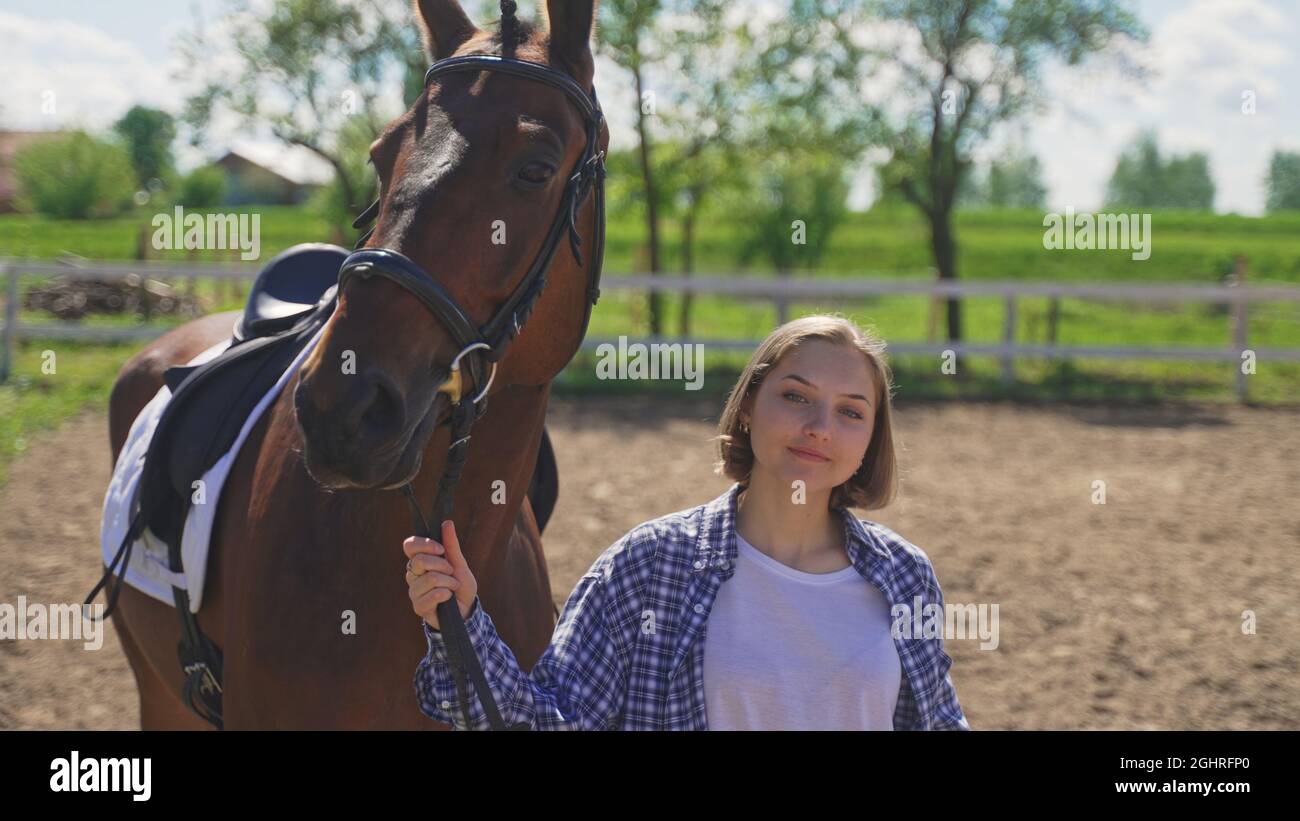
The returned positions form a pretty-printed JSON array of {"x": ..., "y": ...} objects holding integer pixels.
[{"x": 433, "y": 575}]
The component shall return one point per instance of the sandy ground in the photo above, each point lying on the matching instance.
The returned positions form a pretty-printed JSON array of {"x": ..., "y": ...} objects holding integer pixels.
[{"x": 1126, "y": 614}]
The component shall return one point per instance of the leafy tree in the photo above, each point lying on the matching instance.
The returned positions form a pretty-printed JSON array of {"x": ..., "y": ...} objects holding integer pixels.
[
  {"x": 956, "y": 69},
  {"x": 795, "y": 202},
  {"x": 624, "y": 33},
  {"x": 1017, "y": 183},
  {"x": 148, "y": 134},
  {"x": 1014, "y": 182},
  {"x": 1283, "y": 181},
  {"x": 682, "y": 39},
  {"x": 204, "y": 187},
  {"x": 796, "y": 137},
  {"x": 75, "y": 176},
  {"x": 332, "y": 199},
  {"x": 1144, "y": 179}
]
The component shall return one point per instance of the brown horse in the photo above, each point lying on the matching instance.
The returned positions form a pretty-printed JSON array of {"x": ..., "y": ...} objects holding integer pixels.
[{"x": 309, "y": 528}]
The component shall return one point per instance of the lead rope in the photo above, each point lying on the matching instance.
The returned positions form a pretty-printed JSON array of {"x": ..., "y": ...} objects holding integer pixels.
[{"x": 460, "y": 650}]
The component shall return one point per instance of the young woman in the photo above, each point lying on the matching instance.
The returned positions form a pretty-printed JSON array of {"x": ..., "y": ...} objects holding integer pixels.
[{"x": 768, "y": 608}]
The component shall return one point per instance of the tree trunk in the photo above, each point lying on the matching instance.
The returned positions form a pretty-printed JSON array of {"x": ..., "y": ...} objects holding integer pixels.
[
  {"x": 688, "y": 267},
  {"x": 944, "y": 245},
  {"x": 652, "y": 210}
]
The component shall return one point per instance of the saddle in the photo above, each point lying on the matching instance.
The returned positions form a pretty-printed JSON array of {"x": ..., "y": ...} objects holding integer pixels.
[{"x": 291, "y": 298}]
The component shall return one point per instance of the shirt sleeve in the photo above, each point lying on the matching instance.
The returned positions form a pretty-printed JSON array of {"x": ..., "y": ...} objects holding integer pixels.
[
  {"x": 577, "y": 684},
  {"x": 948, "y": 714}
]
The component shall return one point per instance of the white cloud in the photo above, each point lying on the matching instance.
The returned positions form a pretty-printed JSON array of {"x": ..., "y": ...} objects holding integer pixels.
[
  {"x": 1201, "y": 57},
  {"x": 91, "y": 78}
]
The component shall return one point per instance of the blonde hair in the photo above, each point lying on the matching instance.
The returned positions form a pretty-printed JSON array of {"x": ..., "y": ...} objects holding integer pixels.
[{"x": 875, "y": 483}]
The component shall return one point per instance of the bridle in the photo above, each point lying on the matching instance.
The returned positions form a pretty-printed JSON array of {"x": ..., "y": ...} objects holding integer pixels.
[{"x": 482, "y": 348}]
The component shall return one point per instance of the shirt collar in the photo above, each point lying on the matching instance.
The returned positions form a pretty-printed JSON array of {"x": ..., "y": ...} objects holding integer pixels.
[{"x": 715, "y": 546}]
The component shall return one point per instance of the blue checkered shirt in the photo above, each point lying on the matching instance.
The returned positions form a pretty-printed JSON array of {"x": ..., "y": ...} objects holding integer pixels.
[{"x": 627, "y": 652}]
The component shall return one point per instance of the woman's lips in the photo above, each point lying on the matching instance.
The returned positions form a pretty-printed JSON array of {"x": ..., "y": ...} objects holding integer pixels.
[{"x": 811, "y": 457}]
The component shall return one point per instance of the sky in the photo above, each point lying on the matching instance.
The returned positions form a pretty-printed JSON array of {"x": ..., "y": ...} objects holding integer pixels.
[{"x": 72, "y": 64}]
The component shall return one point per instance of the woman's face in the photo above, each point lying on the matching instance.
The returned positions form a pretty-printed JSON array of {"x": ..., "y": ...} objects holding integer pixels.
[{"x": 813, "y": 415}]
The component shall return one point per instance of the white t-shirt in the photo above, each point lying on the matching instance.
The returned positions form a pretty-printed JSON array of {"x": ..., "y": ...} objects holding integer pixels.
[{"x": 788, "y": 650}]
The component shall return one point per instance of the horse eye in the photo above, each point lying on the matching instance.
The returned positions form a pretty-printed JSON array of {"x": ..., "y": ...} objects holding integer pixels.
[{"x": 536, "y": 173}]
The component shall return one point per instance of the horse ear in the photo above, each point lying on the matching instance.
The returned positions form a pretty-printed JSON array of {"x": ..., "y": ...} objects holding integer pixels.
[
  {"x": 444, "y": 27},
  {"x": 570, "y": 24}
]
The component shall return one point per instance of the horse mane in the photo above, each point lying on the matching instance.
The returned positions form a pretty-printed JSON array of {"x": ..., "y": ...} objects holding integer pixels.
[{"x": 512, "y": 31}]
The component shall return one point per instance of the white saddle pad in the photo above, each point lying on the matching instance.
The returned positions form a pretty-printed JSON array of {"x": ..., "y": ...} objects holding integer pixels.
[{"x": 148, "y": 570}]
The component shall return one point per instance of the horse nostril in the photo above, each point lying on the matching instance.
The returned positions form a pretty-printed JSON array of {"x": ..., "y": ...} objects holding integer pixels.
[{"x": 384, "y": 414}]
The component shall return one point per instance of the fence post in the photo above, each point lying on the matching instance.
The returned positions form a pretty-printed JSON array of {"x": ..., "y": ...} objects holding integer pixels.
[
  {"x": 783, "y": 298},
  {"x": 10, "y": 272},
  {"x": 935, "y": 303},
  {"x": 1239, "y": 314},
  {"x": 1009, "y": 339}
]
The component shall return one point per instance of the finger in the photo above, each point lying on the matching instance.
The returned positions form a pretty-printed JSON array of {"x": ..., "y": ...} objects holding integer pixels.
[
  {"x": 453, "y": 545},
  {"x": 423, "y": 563},
  {"x": 415, "y": 545},
  {"x": 427, "y": 604},
  {"x": 428, "y": 581}
]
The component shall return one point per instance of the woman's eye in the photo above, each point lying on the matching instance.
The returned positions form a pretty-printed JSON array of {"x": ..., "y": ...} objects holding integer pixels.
[
  {"x": 795, "y": 395},
  {"x": 856, "y": 415},
  {"x": 536, "y": 173}
]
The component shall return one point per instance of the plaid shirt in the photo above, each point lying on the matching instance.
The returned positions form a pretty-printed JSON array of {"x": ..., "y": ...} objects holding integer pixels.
[{"x": 627, "y": 652}]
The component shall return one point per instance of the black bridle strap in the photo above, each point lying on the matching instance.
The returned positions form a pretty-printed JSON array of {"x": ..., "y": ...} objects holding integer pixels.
[
  {"x": 520, "y": 68},
  {"x": 389, "y": 264}
]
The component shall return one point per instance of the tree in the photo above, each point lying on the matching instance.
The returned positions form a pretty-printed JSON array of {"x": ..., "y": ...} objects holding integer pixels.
[
  {"x": 1017, "y": 183},
  {"x": 624, "y": 34},
  {"x": 698, "y": 119},
  {"x": 1283, "y": 181},
  {"x": 797, "y": 139},
  {"x": 954, "y": 69},
  {"x": 1144, "y": 179},
  {"x": 148, "y": 134},
  {"x": 331, "y": 200},
  {"x": 304, "y": 69},
  {"x": 792, "y": 206},
  {"x": 1013, "y": 182},
  {"x": 75, "y": 176},
  {"x": 204, "y": 187}
]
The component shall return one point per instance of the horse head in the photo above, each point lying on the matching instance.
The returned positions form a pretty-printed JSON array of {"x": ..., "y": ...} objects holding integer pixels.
[{"x": 472, "y": 178}]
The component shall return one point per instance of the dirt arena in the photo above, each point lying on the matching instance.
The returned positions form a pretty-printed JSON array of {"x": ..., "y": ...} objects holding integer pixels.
[{"x": 1123, "y": 615}]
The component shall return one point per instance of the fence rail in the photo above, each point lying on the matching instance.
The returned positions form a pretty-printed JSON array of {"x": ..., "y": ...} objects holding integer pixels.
[{"x": 781, "y": 291}]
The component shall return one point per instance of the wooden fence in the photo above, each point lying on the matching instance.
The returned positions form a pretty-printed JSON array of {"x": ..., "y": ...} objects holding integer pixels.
[{"x": 782, "y": 292}]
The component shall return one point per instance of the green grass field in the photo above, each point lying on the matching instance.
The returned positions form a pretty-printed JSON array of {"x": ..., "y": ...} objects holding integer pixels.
[{"x": 994, "y": 245}]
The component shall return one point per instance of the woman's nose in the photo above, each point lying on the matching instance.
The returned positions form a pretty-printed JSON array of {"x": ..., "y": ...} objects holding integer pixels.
[{"x": 818, "y": 421}]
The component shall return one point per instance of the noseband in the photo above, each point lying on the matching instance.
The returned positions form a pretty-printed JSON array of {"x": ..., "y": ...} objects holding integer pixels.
[{"x": 482, "y": 348}]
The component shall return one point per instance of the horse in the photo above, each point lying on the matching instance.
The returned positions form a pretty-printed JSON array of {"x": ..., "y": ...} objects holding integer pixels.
[{"x": 308, "y": 533}]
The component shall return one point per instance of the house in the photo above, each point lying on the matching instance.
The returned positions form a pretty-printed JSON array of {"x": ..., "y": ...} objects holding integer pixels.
[{"x": 271, "y": 175}]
